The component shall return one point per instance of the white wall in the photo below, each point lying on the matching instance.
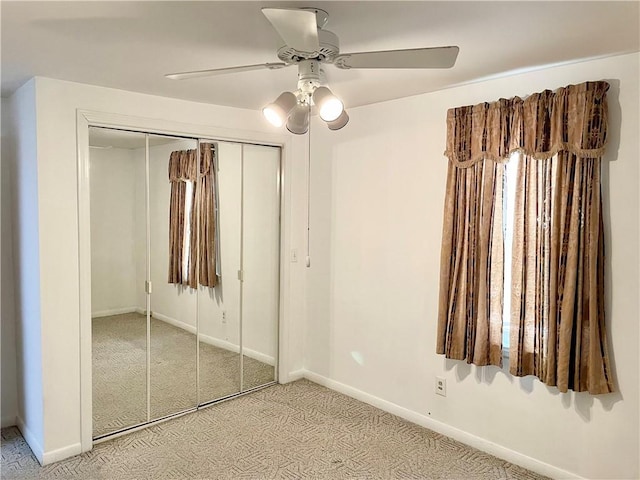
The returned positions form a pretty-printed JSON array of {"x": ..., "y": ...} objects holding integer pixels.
[
  {"x": 20, "y": 160},
  {"x": 113, "y": 230},
  {"x": 377, "y": 202},
  {"x": 9, "y": 387},
  {"x": 50, "y": 270}
]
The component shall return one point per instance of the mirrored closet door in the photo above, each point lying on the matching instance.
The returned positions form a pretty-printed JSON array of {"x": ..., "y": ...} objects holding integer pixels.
[
  {"x": 219, "y": 307},
  {"x": 185, "y": 255},
  {"x": 172, "y": 264},
  {"x": 260, "y": 259},
  {"x": 118, "y": 264}
]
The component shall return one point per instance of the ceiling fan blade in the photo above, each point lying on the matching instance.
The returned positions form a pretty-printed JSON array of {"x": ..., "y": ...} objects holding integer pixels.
[
  {"x": 221, "y": 71},
  {"x": 439, "y": 57},
  {"x": 297, "y": 28}
]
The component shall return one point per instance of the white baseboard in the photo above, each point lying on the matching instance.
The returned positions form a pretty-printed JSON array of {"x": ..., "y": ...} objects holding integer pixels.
[
  {"x": 174, "y": 322},
  {"x": 216, "y": 342},
  {"x": 113, "y": 311},
  {"x": 34, "y": 445},
  {"x": 261, "y": 357},
  {"x": 295, "y": 375},
  {"x": 61, "y": 453},
  {"x": 8, "y": 421},
  {"x": 232, "y": 347},
  {"x": 455, "y": 433},
  {"x": 45, "y": 458}
]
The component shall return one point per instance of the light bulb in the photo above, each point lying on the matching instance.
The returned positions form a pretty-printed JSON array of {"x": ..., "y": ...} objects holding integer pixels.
[
  {"x": 272, "y": 116},
  {"x": 277, "y": 112},
  {"x": 330, "y": 107}
]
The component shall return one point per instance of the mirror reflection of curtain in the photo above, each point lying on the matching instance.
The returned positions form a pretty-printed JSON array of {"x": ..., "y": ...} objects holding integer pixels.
[
  {"x": 207, "y": 238},
  {"x": 192, "y": 222}
]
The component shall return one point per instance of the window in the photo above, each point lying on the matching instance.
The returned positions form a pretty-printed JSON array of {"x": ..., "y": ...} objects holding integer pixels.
[
  {"x": 186, "y": 240},
  {"x": 509, "y": 201}
]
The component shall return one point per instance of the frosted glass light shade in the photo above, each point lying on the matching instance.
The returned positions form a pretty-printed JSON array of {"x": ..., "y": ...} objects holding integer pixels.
[
  {"x": 329, "y": 106},
  {"x": 277, "y": 112},
  {"x": 272, "y": 115},
  {"x": 299, "y": 120},
  {"x": 339, "y": 122}
]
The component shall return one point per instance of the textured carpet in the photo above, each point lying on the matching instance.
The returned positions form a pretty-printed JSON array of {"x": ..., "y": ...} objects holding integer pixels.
[
  {"x": 119, "y": 371},
  {"x": 293, "y": 431}
]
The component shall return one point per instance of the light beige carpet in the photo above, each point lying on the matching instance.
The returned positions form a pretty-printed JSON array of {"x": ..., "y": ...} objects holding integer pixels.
[
  {"x": 293, "y": 431},
  {"x": 119, "y": 371}
]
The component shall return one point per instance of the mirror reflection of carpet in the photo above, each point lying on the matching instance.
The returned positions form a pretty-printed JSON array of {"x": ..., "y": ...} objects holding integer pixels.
[{"x": 119, "y": 371}]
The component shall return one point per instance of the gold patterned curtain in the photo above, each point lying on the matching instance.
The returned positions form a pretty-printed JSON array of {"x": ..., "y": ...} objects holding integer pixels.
[
  {"x": 207, "y": 223},
  {"x": 557, "y": 304},
  {"x": 183, "y": 170},
  {"x": 192, "y": 220},
  {"x": 470, "y": 305}
]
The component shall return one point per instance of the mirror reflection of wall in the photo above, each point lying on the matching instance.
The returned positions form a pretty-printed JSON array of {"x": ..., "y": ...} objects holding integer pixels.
[
  {"x": 261, "y": 259},
  {"x": 173, "y": 222},
  {"x": 219, "y": 308},
  {"x": 119, "y": 327}
]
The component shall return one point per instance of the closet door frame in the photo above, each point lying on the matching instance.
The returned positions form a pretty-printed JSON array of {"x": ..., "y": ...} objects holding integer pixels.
[{"x": 88, "y": 118}]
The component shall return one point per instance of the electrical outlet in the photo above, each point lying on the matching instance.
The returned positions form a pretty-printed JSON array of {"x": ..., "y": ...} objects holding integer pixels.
[
  {"x": 224, "y": 317},
  {"x": 441, "y": 386}
]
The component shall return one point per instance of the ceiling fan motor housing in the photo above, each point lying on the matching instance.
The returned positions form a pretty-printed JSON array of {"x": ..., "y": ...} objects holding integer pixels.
[
  {"x": 328, "y": 51},
  {"x": 310, "y": 76}
]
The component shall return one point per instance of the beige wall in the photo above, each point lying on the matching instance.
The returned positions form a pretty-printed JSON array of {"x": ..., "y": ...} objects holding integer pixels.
[{"x": 377, "y": 203}]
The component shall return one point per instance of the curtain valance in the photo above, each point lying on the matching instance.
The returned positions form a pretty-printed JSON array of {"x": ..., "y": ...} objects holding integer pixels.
[
  {"x": 183, "y": 166},
  {"x": 538, "y": 125}
]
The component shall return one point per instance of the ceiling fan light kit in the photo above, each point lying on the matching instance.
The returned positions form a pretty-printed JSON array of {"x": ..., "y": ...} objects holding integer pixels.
[
  {"x": 278, "y": 112},
  {"x": 339, "y": 122},
  {"x": 330, "y": 107},
  {"x": 298, "y": 123},
  {"x": 308, "y": 45}
]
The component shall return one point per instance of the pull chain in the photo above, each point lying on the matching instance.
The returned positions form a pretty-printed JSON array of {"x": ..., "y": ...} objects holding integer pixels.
[{"x": 308, "y": 259}]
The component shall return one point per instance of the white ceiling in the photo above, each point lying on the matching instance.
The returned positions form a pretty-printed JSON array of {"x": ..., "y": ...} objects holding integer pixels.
[{"x": 130, "y": 45}]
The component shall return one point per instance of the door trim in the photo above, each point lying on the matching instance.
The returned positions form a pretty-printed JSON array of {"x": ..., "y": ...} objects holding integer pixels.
[{"x": 89, "y": 118}]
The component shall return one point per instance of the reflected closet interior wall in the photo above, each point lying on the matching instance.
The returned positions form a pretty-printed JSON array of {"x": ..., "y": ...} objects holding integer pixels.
[{"x": 116, "y": 206}]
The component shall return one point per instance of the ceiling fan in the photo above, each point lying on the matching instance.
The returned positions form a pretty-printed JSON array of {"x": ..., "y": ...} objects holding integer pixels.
[{"x": 309, "y": 46}]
